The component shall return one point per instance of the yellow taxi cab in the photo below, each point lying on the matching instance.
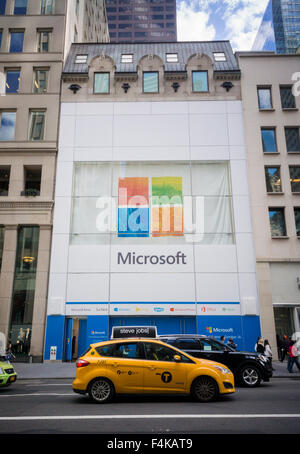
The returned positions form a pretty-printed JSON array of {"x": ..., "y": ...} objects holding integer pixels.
[{"x": 148, "y": 366}]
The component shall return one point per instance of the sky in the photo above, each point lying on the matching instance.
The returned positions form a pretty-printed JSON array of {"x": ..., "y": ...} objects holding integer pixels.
[{"x": 205, "y": 20}]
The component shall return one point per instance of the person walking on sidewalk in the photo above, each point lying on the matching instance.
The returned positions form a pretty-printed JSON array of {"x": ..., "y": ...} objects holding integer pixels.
[
  {"x": 293, "y": 357},
  {"x": 285, "y": 347},
  {"x": 280, "y": 347},
  {"x": 268, "y": 351},
  {"x": 259, "y": 346}
]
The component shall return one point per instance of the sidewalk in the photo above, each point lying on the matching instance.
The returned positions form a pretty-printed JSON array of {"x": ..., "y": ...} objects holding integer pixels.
[{"x": 68, "y": 370}]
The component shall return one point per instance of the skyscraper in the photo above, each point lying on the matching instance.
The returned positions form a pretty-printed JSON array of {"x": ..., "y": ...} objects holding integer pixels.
[
  {"x": 141, "y": 20},
  {"x": 280, "y": 27}
]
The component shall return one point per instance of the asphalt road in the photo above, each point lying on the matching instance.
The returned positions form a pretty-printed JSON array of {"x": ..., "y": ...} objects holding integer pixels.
[{"x": 51, "y": 407}]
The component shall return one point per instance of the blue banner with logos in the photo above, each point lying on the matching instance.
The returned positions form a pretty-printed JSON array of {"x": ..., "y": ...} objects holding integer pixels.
[{"x": 243, "y": 330}]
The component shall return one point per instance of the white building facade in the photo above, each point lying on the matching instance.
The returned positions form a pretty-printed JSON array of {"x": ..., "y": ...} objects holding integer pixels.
[{"x": 152, "y": 222}]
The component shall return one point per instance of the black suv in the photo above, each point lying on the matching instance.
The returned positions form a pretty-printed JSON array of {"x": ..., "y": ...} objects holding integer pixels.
[{"x": 248, "y": 368}]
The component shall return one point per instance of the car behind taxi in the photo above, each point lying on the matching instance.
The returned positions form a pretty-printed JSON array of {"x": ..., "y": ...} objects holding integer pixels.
[
  {"x": 148, "y": 366},
  {"x": 7, "y": 373}
]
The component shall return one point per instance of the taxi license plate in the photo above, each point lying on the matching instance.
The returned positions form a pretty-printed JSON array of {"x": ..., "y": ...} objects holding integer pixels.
[{"x": 12, "y": 379}]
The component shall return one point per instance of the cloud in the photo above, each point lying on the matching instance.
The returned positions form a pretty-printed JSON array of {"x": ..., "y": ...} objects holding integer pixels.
[
  {"x": 193, "y": 25},
  {"x": 236, "y": 20},
  {"x": 242, "y": 19}
]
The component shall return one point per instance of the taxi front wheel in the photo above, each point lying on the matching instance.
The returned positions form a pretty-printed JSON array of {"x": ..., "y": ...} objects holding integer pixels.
[
  {"x": 100, "y": 390},
  {"x": 204, "y": 389}
]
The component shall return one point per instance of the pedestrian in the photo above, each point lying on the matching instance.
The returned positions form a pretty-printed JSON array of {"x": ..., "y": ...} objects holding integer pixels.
[
  {"x": 222, "y": 339},
  {"x": 293, "y": 356},
  {"x": 231, "y": 344},
  {"x": 268, "y": 351},
  {"x": 259, "y": 346},
  {"x": 9, "y": 356},
  {"x": 280, "y": 347},
  {"x": 284, "y": 348}
]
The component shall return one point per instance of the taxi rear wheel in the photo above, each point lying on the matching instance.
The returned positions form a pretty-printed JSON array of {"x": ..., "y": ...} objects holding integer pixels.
[
  {"x": 205, "y": 389},
  {"x": 100, "y": 390}
]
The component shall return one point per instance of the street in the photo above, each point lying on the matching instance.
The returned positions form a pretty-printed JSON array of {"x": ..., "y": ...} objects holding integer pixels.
[{"x": 49, "y": 406}]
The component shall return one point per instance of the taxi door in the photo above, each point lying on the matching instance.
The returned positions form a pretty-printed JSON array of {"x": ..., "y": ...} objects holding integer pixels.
[
  {"x": 161, "y": 372},
  {"x": 126, "y": 364}
]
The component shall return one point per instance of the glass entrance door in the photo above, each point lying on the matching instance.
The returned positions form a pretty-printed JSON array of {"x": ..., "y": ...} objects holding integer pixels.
[{"x": 284, "y": 322}]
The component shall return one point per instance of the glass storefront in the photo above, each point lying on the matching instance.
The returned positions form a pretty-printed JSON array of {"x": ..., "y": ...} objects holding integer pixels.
[
  {"x": 23, "y": 290},
  {"x": 284, "y": 321}
]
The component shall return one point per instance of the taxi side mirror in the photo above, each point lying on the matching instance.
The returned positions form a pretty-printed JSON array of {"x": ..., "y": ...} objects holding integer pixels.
[{"x": 177, "y": 358}]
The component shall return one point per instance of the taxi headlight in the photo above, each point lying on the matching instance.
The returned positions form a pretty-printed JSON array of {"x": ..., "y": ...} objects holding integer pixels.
[
  {"x": 1, "y": 371},
  {"x": 224, "y": 370}
]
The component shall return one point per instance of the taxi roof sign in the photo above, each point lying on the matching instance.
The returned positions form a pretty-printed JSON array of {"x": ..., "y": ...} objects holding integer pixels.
[{"x": 123, "y": 332}]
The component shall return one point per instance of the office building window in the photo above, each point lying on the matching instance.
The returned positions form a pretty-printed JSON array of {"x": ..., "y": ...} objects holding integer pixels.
[
  {"x": 2, "y": 230},
  {"x": 200, "y": 81},
  {"x": 47, "y": 6},
  {"x": 277, "y": 222},
  {"x": 81, "y": 59},
  {"x": 150, "y": 82},
  {"x": 16, "y": 41},
  {"x": 269, "y": 143},
  {"x": 20, "y": 7},
  {"x": 125, "y": 34},
  {"x": 43, "y": 41},
  {"x": 287, "y": 98},
  {"x": 2, "y": 7},
  {"x": 32, "y": 179},
  {"x": 295, "y": 178},
  {"x": 297, "y": 220},
  {"x": 126, "y": 58},
  {"x": 273, "y": 180},
  {"x": 172, "y": 58},
  {"x": 292, "y": 139},
  {"x": 139, "y": 34},
  {"x": 4, "y": 180},
  {"x": 124, "y": 26},
  {"x": 219, "y": 56},
  {"x": 24, "y": 289},
  {"x": 37, "y": 125},
  {"x": 7, "y": 126},
  {"x": 40, "y": 80},
  {"x": 12, "y": 81},
  {"x": 101, "y": 83},
  {"x": 264, "y": 98}
]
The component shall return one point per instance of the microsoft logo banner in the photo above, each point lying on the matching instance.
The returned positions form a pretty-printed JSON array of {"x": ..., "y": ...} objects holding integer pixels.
[{"x": 134, "y": 215}]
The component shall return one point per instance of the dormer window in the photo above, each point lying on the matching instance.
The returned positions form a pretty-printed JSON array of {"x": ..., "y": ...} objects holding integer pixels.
[
  {"x": 219, "y": 56},
  {"x": 126, "y": 58},
  {"x": 200, "y": 81},
  {"x": 172, "y": 58},
  {"x": 101, "y": 83},
  {"x": 150, "y": 82},
  {"x": 81, "y": 59}
]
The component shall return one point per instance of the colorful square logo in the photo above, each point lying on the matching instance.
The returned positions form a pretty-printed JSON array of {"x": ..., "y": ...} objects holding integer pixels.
[{"x": 134, "y": 209}]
